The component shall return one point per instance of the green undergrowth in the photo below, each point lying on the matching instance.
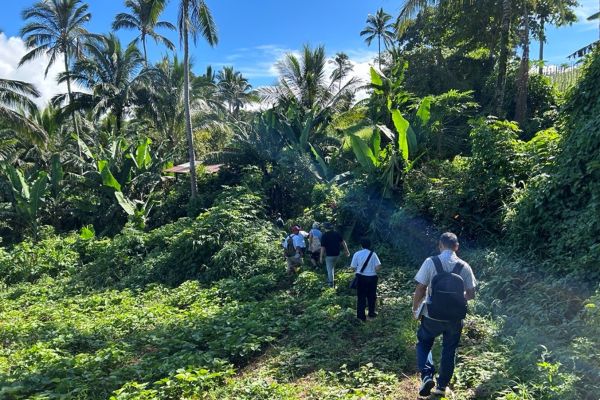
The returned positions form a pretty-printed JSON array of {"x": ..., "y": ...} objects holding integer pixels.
[{"x": 202, "y": 309}]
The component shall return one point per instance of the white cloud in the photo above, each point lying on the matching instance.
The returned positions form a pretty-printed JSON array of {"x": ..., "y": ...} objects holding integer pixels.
[
  {"x": 586, "y": 8},
  {"x": 11, "y": 51}
]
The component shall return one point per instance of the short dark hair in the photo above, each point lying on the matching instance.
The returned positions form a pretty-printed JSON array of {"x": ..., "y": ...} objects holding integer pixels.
[
  {"x": 365, "y": 243},
  {"x": 449, "y": 240}
]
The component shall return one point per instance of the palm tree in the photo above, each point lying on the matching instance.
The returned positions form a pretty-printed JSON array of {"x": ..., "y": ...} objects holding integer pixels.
[
  {"x": 144, "y": 17},
  {"x": 342, "y": 67},
  {"x": 233, "y": 89},
  {"x": 378, "y": 26},
  {"x": 56, "y": 28},
  {"x": 503, "y": 56},
  {"x": 523, "y": 77},
  {"x": 162, "y": 101},
  {"x": 113, "y": 76},
  {"x": 304, "y": 82},
  {"x": 556, "y": 12},
  {"x": 15, "y": 96},
  {"x": 194, "y": 16}
]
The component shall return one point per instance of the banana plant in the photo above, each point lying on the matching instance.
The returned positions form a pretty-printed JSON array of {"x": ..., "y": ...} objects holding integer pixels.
[
  {"x": 131, "y": 165},
  {"x": 397, "y": 156},
  {"x": 27, "y": 196}
]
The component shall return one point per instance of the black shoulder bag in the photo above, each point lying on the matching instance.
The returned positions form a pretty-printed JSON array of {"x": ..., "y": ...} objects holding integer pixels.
[{"x": 354, "y": 282}]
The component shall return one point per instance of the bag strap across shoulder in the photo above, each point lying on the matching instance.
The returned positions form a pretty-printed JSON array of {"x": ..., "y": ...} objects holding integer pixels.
[
  {"x": 458, "y": 267},
  {"x": 438, "y": 264},
  {"x": 366, "y": 262}
]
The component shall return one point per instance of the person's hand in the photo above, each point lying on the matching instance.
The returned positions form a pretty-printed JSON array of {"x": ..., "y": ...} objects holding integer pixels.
[
  {"x": 347, "y": 254},
  {"x": 415, "y": 315}
]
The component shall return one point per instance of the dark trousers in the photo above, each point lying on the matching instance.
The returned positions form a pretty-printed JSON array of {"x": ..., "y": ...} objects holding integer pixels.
[
  {"x": 366, "y": 292},
  {"x": 428, "y": 331}
]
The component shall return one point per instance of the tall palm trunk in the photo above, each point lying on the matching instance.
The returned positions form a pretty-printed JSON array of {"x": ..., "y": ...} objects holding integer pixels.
[
  {"x": 542, "y": 40},
  {"x": 144, "y": 46},
  {"x": 119, "y": 122},
  {"x": 379, "y": 50},
  {"x": 503, "y": 57},
  {"x": 186, "y": 101},
  {"x": 70, "y": 93},
  {"x": 522, "y": 85}
]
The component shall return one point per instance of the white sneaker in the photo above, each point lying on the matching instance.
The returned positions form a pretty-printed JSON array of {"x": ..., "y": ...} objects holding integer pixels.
[{"x": 445, "y": 392}]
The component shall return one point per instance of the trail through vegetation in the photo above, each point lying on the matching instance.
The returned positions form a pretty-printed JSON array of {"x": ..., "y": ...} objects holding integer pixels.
[{"x": 139, "y": 254}]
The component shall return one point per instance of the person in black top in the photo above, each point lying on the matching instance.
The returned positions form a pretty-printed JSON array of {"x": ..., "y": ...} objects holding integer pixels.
[{"x": 331, "y": 244}]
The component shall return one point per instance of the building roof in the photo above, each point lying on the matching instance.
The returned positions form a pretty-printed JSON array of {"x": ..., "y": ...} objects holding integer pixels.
[{"x": 185, "y": 168}]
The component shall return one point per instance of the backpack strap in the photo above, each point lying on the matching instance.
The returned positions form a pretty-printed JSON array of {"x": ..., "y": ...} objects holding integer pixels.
[
  {"x": 366, "y": 262},
  {"x": 458, "y": 267},
  {"x": 438, "y": 264}
]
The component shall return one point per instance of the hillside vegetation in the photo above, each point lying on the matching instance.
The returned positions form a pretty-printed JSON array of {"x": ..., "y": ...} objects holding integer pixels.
[{"x": 122, "y": 279}]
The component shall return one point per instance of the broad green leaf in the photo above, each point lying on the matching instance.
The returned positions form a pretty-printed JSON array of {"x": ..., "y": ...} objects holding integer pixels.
[
  {"x": 107, "y": 177},
  {"x": 320, "y": 160},
  {"x": 363, "y": 153},
  {"x": 401, "y": 125},
  {"x": 38, "y": 189},
  {"x": 411, "y": 137},
  {"x": 423, "y": 113},
  {"x": 57, "y": 173},
  {"x": 376, "y": 81},
  {"x": 375, "y": 77},
  {"x": 127, "y": 205},
  {"x": 306, "y": 130},
  {"x": 17, "y": 180},
  {"x": 84, "y": 148},
  {"x": 142, "y": 154},
  {"x": 376, "y": 143}
]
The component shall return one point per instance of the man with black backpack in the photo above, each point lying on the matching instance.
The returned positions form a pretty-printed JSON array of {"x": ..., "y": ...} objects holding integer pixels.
[{"x": 444, "y": 285}]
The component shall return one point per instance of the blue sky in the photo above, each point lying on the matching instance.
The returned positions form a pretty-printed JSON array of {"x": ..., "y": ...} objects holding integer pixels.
[{"x": 253, "y": 34}]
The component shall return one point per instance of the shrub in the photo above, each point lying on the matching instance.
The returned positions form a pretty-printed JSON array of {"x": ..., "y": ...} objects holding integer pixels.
[
  {"x": 566, "y": 195},
  {"x": 28, "y": 261}
]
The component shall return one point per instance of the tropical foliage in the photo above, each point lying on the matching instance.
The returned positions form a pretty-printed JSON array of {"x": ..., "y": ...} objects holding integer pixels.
[{"x": 120, "y": 279}]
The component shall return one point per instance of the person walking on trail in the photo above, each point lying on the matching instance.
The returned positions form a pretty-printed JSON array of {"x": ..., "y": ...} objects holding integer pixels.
[
  {"x": 331, "y": 243},
  {"x": 314, "y": 244},
  {"x": 279, "y": 222},
  {"x": 293, "y": 249},
  {"x": 366, "y": 264},
  {"x": 444, "y": 285}
]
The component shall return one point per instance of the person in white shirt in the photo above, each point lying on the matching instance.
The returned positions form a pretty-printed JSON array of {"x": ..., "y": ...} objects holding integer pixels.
[
  {"x": 430, "y": 328},
  {"x": 314, "y": 243},
  {"x": 366, "y": 265},
  {"x": 294, "y": 255}
]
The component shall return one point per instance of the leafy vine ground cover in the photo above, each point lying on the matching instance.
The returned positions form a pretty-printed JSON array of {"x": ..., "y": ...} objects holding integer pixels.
[{"x": 99, "y": 318}]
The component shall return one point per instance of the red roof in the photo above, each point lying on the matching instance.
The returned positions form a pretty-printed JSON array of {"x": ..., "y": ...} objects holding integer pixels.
[{"x": 185, "y": 168}]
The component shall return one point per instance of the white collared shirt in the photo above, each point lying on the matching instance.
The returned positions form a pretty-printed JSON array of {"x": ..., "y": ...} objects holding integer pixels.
[
  {"x": 449, "y": 259},
  {"x": 359, "y": 258}
]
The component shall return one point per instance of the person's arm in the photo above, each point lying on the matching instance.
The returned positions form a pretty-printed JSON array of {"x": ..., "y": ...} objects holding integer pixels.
[
  {"x": 322, "y": 254},
  {"x": 346, "y": 248},
  {"x": 377, "y": 267},
  {"x": 419, "y": 295}
]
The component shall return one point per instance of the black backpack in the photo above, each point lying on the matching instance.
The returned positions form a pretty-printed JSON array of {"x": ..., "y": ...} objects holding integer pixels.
[
  {"x": 448, "y": 301},
  {"x": 290, "y": 249}
]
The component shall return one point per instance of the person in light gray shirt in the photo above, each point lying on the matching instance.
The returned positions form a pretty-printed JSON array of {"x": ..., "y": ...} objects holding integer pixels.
[{"x": 444, "y": 285}]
